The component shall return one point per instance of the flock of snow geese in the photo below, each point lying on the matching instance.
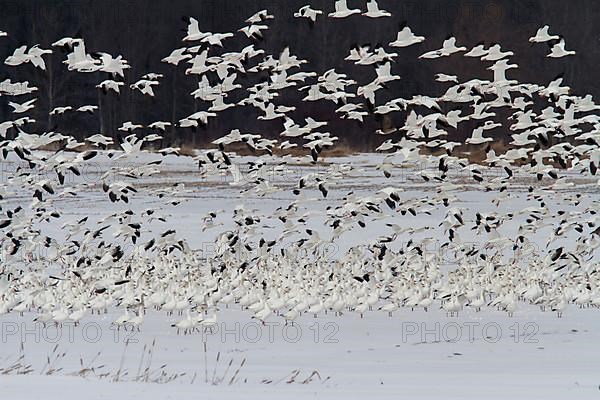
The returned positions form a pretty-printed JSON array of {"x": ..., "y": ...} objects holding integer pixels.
[{"x": 553, "y": 135}]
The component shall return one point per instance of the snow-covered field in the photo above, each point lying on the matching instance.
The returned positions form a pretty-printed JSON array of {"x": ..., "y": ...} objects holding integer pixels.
[{"x": 412, "y": 354}]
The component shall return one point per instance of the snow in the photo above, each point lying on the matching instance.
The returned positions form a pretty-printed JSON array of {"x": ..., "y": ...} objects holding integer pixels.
[
  {"x": 376, "y": 356},
  {"x": 533, "y": 355}
]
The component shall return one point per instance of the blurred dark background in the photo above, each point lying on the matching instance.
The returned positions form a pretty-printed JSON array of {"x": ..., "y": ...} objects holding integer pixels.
[{"x": 146, "y": 31}]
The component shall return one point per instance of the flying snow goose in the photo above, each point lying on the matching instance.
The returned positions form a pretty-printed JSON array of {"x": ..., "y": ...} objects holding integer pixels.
[
  {"x": 216, "y": 39},
  {"x": 542, "y": 36},
  {"x": 60, "y": 110},
  {"x": 23, "y": 107},
  {"x": 342, "y": 10},
  {"x": 307, "y": 12},
  {"x": 193, "y": 30},
  {"x": 177, "y": 56},
  {"x": 160, "y": 125},
  {"x": 87, "y": 109},
  {"x": 129, "y": 126},
  {"x": 478, "y": 51},
  {"x": 477, "y": 137},
  {"x": 259, "y": 16},
  {"x": 559, "y": 51},
  {"x": 446, "y": 78},
  {"x": 495, "y": 53},
  {"x": 109, "y": 84},
  {"x": 373, "y": 10},
  {"x": 145, "y": 86},
  {"x": 253, "y": 31},
  {"x": 448, "y": 47},
  {"x": 406, "y": 38}
]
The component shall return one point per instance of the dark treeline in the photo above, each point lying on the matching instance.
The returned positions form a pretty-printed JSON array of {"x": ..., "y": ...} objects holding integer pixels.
[{"x": 146, "y": 31}]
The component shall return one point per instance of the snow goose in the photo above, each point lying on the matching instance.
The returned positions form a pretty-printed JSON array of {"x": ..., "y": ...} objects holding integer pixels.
[
  {"x": 389, "y": 308},
  {"x": 542, "y": 35},
  {"x": 448, "y": 48},
  {"x": 110, "y": 84},
  {"x": 253, "y": 31},
  {"x": 291, "y": 315},
  {"x": 477, "y": 137},
  {"x": 259, "y": 16},
  {"x": 193, "y": 30},
  {"x": 559, "y": 51},
  {"x": 446, "y": 78},
  {"x": 307, "y": 12},
  {"x": 342, "y": 10},
  {"x": 77, "y": 315},
  {"x": 187, "y": 324},
  {"x": 87, "y": 109},
  {"x": 373, "y": 10},
  {"x": 406, "y": 38},
  {"x": 177, "y": 56},
  {"x": 60, "y": 110},
  {"x": 495, "y": 53},
  {"x": 559, "y": 304},
  {"x": 209, "y": 322},
  {"x": 59, "y": 316},
  {"x": 452, "y": 306},
  {"x": 23, "y": 107},
  {"x": 478, "y": 51}
]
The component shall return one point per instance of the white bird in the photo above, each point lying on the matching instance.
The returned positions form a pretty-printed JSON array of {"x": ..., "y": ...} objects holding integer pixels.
[
  {"x": 177, "y": 56},
  {"x": 478, "y": 51},
  {"x": 88, "y": 109},
  {"x": 145, "y": 86},
  {"x": 129, "y": 126},
  {"x": 99, "y": 139},
  {"x": 187, "y": 324},
  {"x": 542, "y": 35},
  {"x": 113, "y": 65},
  {"x": 559, "y": 51},
  {"x": 216, "y": 39},
  {"x": 253, "y": 31},
  {"x": 193, "y": 31},
  {"x": 60, "y": 110},
  {"x": 406, "y": 38},
  {"x": 259, "y": 16},
  {"x": 477, "y": 137},
  {"x": 109, "y": 84},
  {"x": 342, "y": 10},
  {"x": 307, "y": 12},
  {"x": 23, "y": 107},
  {"x": 384, "y": 73},
  {"x": 495, "y": 53},
  {"x": 122, "y": 320},
  {"x": 373, "y": 10},
  {"x": 448, "y": 47},
  {"x": 446, "y": 78},
  {"x": 160, "y": 125}
]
